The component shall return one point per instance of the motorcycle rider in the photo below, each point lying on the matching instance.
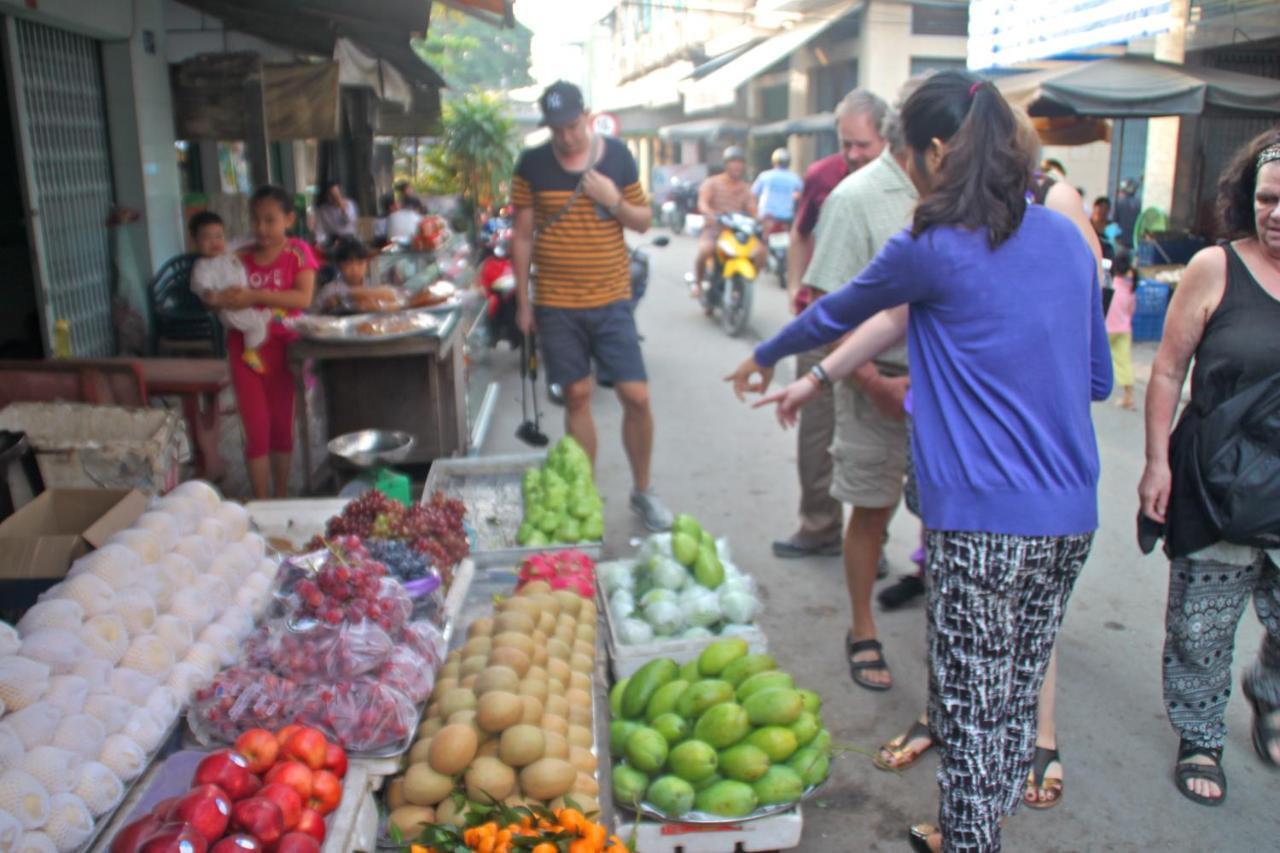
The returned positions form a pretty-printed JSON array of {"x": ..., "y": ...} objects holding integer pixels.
[
  {"x": 776, "y": 191},
  {"x": 724, "y": 193}
]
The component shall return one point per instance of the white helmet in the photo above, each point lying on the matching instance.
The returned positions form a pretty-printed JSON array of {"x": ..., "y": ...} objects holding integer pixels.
[{"x": 781, "y": 158}]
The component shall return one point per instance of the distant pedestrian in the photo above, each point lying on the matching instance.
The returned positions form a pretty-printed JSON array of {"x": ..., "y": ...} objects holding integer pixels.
[
  {"x": 1124, "y": 301},
  {"x": 1222, "y": 325},
  {"x": 1128, "y": 206},
  {"x": 777, "y": 190}
]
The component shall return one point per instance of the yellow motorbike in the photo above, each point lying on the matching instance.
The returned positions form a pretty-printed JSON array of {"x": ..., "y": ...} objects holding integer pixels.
[{"x": 733, "y": 274}]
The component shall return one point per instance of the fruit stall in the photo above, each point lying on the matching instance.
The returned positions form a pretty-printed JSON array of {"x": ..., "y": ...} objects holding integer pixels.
[{"x": 461, "y": 672}]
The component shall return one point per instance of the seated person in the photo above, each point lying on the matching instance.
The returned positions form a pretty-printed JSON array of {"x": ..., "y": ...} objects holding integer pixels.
[{"x": 351, "y": 257}]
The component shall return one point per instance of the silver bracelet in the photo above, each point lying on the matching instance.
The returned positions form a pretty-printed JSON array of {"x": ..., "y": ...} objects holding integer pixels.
[{"x": 820, "y": 373}]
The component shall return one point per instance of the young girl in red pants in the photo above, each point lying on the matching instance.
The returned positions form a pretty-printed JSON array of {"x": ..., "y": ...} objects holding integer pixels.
[{"x": 281, "y": 273}]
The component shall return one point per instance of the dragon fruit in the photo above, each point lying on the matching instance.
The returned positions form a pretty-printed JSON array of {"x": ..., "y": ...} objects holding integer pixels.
[{"x": 571, "y": 570}]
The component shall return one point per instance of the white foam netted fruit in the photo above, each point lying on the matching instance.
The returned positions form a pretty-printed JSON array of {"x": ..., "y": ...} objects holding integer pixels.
[
  {"x": 54, "y": 768},
  {"x": 191, "y": 607},
  {"x": 205, "y": 658},
  {"x": 57, "y": 648},
  {"x": 10, "y": 642},
  {"x": 123, "y": 757},
  {"x": 136, "y": 608},
  {"x": 34, "y": 724},
  {"x": 214, "y": 532},
  {"x": 36, "y": 842},
  {"x": 235, "y": 518},
  {"x": 11, "y": 746},
  {"x": 54, "y": 613},
  {"x": 196, "y": 549},
  {"x": 166, "y": 528},
  {"x": 186, "y": 679},
  {"x": 144, "y": 543},
  {"x": 99, "y": 787},
  {"x": 130, "y": 684},
  {"x": 174, "y": 633},
  {"x": 155, "y": 581},
  {"x": 163, "y": 704},
  {"x": 183, "y": 510},
  {"x": 96, "y": 671},
  {"x": 106, "y": 637},
  {"x": 180, "y": 571},
  {"x": 238, "y": 619},
  {"x": 229, "y": 567},
  {"x": 70, "y": 823},
  {"x": 216, "y": 591},
  {"x": 255, "y": 545},
  {"x": 82, "y": 734},
  {"x": 149, "y": 655},
  {"x": 249, "y": 599},
  {"x": 10, "y": 831},
  {"x": 198, "y": 491},
  {"x": 109, "y": 709},
  {"x": 88, "y": 590},
  {"x": 67, "y": 693},
  {"x": 113, "y": 563},
  {"x": 268, "y": 569},
  {"x": 24, "y": 798},
  {"x": 22, "y": 681},
  {"x": 224, "y": 642},
  {"x": 144, "y": 730}
]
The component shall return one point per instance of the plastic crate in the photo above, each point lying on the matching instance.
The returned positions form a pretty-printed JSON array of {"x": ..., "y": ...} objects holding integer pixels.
[
  {"x": 1148, "y": 327},
  {"x": 1152, "y": 297}
]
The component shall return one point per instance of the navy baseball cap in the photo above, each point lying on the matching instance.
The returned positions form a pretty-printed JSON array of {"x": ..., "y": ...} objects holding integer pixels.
[{"x": 561, "y": 104}]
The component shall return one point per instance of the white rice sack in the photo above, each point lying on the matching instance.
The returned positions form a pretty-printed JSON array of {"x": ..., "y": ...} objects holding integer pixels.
[
  {"x": 54, "y": 768},
  {"x": 235, "y": 519},
  {"x": 109, "y": 709},
  {"x": 96, "y": 671},
  {"x": 36, "y": 842},
  {"x": 24, "y": 798},
  {"x": 57, "y": 648},
  {"x": 10, "y": 831},
  {"x": 82, "y": 734},
  {"x": 224, "y": 642},
  {"x": 144, "y": 730},
  {"x": 132, "y": 685},
  {"x": 163, "y": 525},
  {"x": 174, "y": 633},
  {"x": 34, "y": 724},
  {"x": 106, "y": 637},
  {"x": 54, "y": 613},
  {"x": 99, "y": 787},
  {"x": 88, "y": 590},
  {"x": 10, "y": 642},
  {"x": 70, "y": 823},
  {"x": 149, "y": 655},
  {"x": 11, "y": 746},
  {"x": 123, "y": 757},
  {"x": 180, "y": 571},
  {"x": 67, "y": 693},
  {"x": 22, "y": 681},
  {"x": 144, "y": 543}
]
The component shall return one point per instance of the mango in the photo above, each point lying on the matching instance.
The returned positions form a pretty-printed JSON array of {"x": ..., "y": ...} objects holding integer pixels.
[
  {"x": 720, "y": 654},
  {"x": 629, "y": 784},
  {"x": 780, "y": 784},
  {"x": 615, "y": 698},
  {"x": 619, "y": 731},
  {"x": 745, "y": 667},
  {"x": 707, "y": 782},
  {"x": 693, "y": 761},
  {"x": 707, "y": 568},
  {"x": 778, "y": 742},
  {"x": 811, "y": 765},
  {"x": 821, "y": 742},
  {"x": 722, "y": 725},
  {"x": 812, "y": 701},
  {"x": 644, "y": 683},
  {"x": 671, "y": 726},
  {"x": 744, "y": 762},
  {"x": 689, "y": 671},
  {"x": 664, "y": 699},
  {"x": 805, "y": 728},
  {"x": 685, "y": 549},
  {"x": 727, "y": 799},
  {"x": 685, "y": 523},
  {"x": 646, "y": 749},
  {"x": 672, "y": 795},
  {"x": 763, "y": 681},
  {"x": 775, "y": 706},
  {"x": 701, "y": 695}
]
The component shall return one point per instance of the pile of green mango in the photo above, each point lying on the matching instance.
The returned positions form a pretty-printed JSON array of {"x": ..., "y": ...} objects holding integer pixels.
[
  {"x": 561, "y": 503},
  {"x": 725, "y": 734}
]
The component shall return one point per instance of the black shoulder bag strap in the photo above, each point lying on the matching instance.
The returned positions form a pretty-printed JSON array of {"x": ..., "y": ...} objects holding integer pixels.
[{"x": 577, "y": 192}]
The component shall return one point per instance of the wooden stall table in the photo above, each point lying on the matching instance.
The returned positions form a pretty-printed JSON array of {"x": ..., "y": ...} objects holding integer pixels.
[
  {"x": 414, "y": 384},
  {"x": 198, "y": 382}
]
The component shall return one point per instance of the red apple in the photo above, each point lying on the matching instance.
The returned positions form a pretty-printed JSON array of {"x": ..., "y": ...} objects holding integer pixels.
[
  {"x": 237, "y": 844},
  {"x": 298, "y": 842},
  {"x": 297, "y": 776},
  {"x": 335, "y": 760},
  {"x": 174, "y": 837},
  {"x": 259, "y": 817},
  {"x": 129, "y": 839},
  {"x": 164, "y": 809},
  {"x": 229, "y": 771},
  {"x": 285, "y": 733},
  {"x": 308, "y": 746},
  {"x": 312, "y": 823},
  {"x": 259, "y": 747},
  {"x": 289, "y": 801},
  {"x": 207, "y": 809},
  {"x": 326, "y": 791}
]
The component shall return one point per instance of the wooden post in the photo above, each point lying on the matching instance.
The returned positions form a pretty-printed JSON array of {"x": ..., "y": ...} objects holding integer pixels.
[{"x": 257, "y": 146}]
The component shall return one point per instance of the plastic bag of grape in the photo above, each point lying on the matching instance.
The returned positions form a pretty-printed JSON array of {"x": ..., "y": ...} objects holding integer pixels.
[
  {"x": 361, "y": 715},
  {"x": 320, "y": 651}
]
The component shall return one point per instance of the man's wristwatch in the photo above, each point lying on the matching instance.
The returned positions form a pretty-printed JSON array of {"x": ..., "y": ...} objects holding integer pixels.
[{"x": 820, "y": 374}]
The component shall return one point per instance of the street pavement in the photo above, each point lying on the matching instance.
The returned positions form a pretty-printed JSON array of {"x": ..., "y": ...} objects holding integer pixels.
[{"x": 734, "y": 469}]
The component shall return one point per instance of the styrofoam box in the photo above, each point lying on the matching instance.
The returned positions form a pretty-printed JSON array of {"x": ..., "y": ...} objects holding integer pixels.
[
  {"x": 626, "y": 659},
  {"x": 779, "y": 832}
]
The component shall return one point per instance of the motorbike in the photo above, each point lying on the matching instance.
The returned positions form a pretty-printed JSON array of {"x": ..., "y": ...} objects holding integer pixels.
[
  {"x": 731, "y": 286},
  {"x": 778, "y": 240},
  {"x": 682, "y": 199}
]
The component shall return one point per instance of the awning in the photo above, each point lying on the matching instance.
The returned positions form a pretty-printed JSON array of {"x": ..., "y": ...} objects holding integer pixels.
[
  {"x": 1138, "y": 87},
  {"x": 358, "y": 68},
  {"x": 720, "y": 87},
  {"x": 816, "y": 123},
  {"x": 496, "y": 12},
  {"x": 652, "y": 91},
  {"x": 705, "y": 130}
]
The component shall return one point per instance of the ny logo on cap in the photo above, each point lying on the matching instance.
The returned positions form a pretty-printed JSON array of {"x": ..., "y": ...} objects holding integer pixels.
[{"x": 553, "y": 101}]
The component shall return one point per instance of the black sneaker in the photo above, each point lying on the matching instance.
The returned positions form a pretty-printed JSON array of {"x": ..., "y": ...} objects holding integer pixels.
[
  {"x": 906, "y": 590},
  {"x": 788, "y": 549}
]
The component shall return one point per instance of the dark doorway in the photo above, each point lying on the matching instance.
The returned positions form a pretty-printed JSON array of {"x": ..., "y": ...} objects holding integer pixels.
[{"x": 20, "y": 319}]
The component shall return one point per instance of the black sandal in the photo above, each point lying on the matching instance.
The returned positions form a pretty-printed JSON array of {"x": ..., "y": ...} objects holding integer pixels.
[
  {"x": 919, "y": 836},
  {"x": 1265, "y": 733},
  {"x": 1052, "y": 787},
  {"x": 857, "y": 667},
  {"x": 1185, "y": 771}
]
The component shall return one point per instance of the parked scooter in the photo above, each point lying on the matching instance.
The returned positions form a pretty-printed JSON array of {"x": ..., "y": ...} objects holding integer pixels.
[
  {"x": 778, "y": 239},
  {"x": 731, "y": 286},
  {"x": 682, "y": 199}
]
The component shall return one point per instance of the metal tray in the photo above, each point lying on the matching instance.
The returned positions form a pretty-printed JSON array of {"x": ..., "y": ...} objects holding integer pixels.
[
  {"x": 345, "y": 330},
  {"x": 490, "y": 487}
]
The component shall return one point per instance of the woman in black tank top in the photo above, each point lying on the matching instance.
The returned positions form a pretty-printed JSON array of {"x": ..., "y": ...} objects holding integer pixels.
[{"x": 1225, "y": 315}]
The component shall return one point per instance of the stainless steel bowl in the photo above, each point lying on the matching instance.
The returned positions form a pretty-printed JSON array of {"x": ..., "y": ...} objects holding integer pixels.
[{"x": 367, "y": 448}]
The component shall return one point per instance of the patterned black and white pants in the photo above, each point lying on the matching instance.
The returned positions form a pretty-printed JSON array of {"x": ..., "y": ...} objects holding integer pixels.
[
  {"x": 996, "y": 602},
  {"x": 1206, "y": 599}
]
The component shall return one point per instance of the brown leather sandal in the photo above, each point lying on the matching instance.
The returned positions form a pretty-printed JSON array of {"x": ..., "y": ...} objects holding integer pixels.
[
  {"x": 1050, "y": 790},
  {"x": 903, "y": 755}
]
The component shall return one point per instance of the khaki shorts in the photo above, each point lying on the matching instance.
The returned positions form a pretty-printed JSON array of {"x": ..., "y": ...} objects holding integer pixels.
[{"x": 869, "y": 452}]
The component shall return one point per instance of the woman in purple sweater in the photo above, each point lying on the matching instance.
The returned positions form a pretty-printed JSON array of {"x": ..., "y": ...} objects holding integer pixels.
[{"x": 1008, "y": 347}]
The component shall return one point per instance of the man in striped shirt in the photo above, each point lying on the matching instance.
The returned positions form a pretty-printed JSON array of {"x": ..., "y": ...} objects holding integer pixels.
[{"x": 573, "y": 197}]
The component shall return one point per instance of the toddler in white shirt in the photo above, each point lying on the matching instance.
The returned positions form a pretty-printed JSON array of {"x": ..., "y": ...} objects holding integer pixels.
[{"x": 218, "y": 270}]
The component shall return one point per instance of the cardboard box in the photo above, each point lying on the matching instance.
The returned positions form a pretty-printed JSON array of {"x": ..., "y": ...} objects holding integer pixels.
[{"x": 40, "y": 541}]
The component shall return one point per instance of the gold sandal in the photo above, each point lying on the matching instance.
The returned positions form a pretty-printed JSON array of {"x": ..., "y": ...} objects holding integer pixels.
[
  {"x": 1049, "y": 789},
  {"x": 902, "y": 755}
]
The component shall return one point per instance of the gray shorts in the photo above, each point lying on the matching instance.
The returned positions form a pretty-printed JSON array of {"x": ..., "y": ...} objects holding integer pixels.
[
  {"x": 572, "y": 337},
  {"x": 869, "y": 452}
]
